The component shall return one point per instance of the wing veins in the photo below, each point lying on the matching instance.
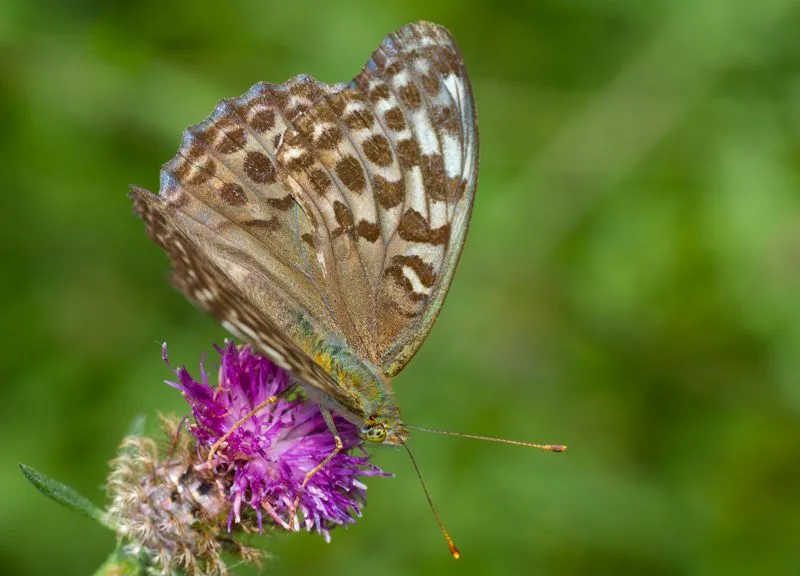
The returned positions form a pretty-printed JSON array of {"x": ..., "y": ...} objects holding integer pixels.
[
  {"x": 363, "y": 161},
  {"x": 273, "y": 279},
  {"x": 188, "y": 191},
  {"x": 307, "y": 193},
  {"x": 413, "y": 131}
]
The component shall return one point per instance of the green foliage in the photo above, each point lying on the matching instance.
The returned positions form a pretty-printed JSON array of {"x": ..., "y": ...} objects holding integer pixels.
[
  {"x": 629, "y": 286},
  {"x": 62, "y": 494}
]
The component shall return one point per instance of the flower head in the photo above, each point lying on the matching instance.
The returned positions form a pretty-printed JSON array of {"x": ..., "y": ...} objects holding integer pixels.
[
  {"x": 269, "y": 454},
  {"x": 170, "y": 512}
]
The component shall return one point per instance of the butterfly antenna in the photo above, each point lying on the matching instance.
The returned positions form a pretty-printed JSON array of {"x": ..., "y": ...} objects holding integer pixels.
[
  {"x": 453, "y": 550},
  {"x": 545, "y": 447}
]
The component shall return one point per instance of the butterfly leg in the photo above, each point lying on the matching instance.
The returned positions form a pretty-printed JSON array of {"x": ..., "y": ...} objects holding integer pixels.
[
  {"x": 326, "y": 414},
  {"x": 238, "y": 424}
]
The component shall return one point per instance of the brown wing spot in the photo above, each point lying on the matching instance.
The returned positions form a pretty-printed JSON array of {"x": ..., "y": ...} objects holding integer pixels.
[
  {"x": 329, "y": 138},
  {"x": 453, "y": 60},
  {"x": 259, "y": 168},
  {"x": 430, "y": 82},
  {"x": 283, "y": 203},
  {"x": 195, "y": 167},
  {"x": 394, "y": 68},
  {"x": 207, "y": 135},
  {"x": 181, "y": 170},
  {"x": 270, "y": 225},
  {"x": 355, "y": 96},
  {"x": 351, "y": 174},
  {"x": 368, "y": 230},
  {"x": 203, "y": 172},
  {"x": 446, "y": 64},
  {"x": 292, "y": 138},
  {"x": 305, "y": 124},
  {"x": 423, "y": 270},
  {"x": 280, "y": 98},
  {"x": 389, "y": 194},
  {"x": 396, "y": 272},
  {"x": 433, "y": 177},
  {"x": 233, "y": 194},
  {"x": 414, "y": 228},
  {"x": 359, "y": 120},
  {"x": 300, "y": 162},
  {"x": 408, "y": 153},
  {"x": 319, "y": 180},
  {"x": 328, "y": 114},
  {"x": 296, "y": 112},
  {"x": 394, "y": 119},
  {"x": 344, "y": 217},
  {"x": 446, "y": 118},
  {"x": 194, "y": 153},
  {"x": 409, "y": 93},
  {"x": 417, "y": 297},
  {"x": 263, "y": 120},
  {"x": 308, "y": 239},
  {"x": 380, "y": 92},
  {"x": 377, "y": 149},
  {"x": 337, "y": 103},
  {"x": 232, "y": 141}
]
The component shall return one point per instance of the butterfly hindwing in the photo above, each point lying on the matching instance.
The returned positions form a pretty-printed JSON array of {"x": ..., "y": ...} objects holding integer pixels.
[
  {"x": 437, "y": 149},
  {"x": 389, "y": 165}
]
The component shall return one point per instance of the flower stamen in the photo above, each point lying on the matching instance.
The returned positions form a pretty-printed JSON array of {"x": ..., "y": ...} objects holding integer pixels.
[
  {"x": 293, "y": 520},
  {"x": 236, "y": 425}
]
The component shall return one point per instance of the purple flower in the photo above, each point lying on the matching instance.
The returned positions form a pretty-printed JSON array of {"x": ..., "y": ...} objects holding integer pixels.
[{"x": 270, "y": 454}]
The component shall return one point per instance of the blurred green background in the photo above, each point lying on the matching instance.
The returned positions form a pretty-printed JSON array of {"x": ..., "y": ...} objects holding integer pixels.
[{"x": 630, "y": 285}]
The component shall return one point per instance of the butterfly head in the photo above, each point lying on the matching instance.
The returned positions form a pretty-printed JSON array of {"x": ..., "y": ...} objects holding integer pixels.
[{"x": 382, "y": 430}]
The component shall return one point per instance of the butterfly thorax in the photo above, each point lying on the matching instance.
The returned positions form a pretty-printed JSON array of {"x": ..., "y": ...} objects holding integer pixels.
[{"x": 377, "y": 414}]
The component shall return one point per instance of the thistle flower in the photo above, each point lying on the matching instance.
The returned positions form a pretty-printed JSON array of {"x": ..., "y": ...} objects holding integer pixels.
[
  {"x": 267, "y": 458},
  {"x": 176, "y": 512},
  {"x": 168, "y": 511}
]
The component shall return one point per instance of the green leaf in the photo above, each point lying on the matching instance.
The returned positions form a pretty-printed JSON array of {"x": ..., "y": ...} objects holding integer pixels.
[{"x": 62, "y": 494}]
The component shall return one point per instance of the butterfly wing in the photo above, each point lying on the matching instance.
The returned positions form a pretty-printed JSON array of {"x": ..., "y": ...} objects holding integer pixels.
[
  {"x": 426, "y": 76},
  {"x": 389, "y": 163},
  {"x": 339, "y": 207}
]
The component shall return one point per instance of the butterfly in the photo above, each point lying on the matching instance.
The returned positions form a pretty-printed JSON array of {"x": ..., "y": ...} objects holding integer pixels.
[{"x": 323, "y": 223}]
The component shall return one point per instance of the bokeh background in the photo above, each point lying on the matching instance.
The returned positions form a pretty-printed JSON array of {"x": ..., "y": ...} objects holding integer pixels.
[{"x": 630, "y": 285}]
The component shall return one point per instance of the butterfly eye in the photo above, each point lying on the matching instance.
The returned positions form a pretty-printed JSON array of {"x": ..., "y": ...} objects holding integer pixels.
[{"x": 375, "y": 433}]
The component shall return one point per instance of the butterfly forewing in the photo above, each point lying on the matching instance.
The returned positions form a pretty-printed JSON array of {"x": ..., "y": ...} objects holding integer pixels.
[{"x": 342, "y": 207}]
